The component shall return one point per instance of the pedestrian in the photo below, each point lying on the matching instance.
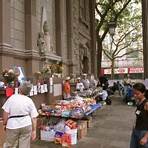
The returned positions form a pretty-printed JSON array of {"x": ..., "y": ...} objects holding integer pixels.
[
  {"x": 139, "y": 137},
  {"x": 85, "y": 81},
  {"x": 103, "y": 81},
  {"x": 79, "y": 85},
  {"x": 19, "y": 119},
  {"x": 67, "y": 88},
  {"x": 93, "y": 82}
]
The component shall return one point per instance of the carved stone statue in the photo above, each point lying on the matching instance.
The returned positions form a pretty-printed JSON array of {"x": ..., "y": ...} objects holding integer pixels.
[
  {"x": 41, "y": 44},
  {"x": 47, "y": 36},
  {"x": 43, "y": 41}
]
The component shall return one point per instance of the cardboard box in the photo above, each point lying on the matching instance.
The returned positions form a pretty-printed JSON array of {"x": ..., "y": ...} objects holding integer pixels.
[
  {"x": 89, "y": 122},
  {"x": 82, "y": 129},
  {"x": 47, "y": 135}
]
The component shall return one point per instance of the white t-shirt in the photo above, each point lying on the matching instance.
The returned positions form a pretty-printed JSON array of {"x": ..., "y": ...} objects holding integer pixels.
[
  {"x": 19, "y": 105},
  {"x": 79, "y": 86},
  {"x": 86, "y": 83},
  {"x": 104, "y": 95}
]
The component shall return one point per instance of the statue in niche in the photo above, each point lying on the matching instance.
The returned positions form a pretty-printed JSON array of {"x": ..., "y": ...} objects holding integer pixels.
[
  {"x": 46, "y": 36},
  {"x": 41, "y": 43}
]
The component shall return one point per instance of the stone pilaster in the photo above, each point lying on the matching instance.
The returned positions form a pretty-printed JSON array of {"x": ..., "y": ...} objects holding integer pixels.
[
  {"x": 31, "y": 37},
  {"x": 58, "y": 26},
  {"x": 93, "y": 38},
  {"x": 63, "y": 32},
  {"x": 5, "y": 44},
  {"x": 69, "y": 35}
]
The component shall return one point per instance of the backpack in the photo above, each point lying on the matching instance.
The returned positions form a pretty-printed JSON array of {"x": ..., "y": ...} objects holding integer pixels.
[{"x": 108, "y": 101}]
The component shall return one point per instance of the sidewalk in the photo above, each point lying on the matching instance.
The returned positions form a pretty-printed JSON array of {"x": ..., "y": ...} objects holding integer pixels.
[{"x": 111, "y": 128}]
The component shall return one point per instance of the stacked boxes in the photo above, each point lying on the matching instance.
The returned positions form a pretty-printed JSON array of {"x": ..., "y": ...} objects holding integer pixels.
[
  {"x": 82, "y": 129},
  {"x": 89, "y": 122}
]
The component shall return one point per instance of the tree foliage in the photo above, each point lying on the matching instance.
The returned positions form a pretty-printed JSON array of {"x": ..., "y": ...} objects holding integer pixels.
[{"x": 119, "y": 12}]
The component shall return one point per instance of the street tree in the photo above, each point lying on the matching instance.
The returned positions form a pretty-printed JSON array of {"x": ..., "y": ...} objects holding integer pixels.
[
  {"x": 128, "y": 37},
  {"x": 120, "y": 45},
  {"x": 107, "y": 11}
]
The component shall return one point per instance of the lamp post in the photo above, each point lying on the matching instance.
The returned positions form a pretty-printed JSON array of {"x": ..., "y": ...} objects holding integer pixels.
[{"x": 112, "y": 27}]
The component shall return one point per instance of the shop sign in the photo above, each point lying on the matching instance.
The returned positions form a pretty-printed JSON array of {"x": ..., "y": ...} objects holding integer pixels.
[
  {"x": 107, "y": 71},
  {"x": 136, "y": 70},
  {"x": 116, "y": 71},
  {"x": 121, "y": 70}
]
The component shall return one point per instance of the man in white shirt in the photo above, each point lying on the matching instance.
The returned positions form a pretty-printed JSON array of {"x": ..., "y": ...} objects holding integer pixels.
[
  {"x": 85, "y": 81},
  {"x": 19, "y": 119},
  {"x": 79, "y": 85}
]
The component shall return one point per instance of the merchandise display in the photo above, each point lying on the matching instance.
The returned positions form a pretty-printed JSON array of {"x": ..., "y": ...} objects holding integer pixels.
[
  {"x": 77, "y": 108},
  {"x": 67, "y": 120}
]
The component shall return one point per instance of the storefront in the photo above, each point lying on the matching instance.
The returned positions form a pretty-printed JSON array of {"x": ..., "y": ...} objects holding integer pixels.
[
  {"x": 119, "y": 73},
  {"x": 136, "y": 73}
]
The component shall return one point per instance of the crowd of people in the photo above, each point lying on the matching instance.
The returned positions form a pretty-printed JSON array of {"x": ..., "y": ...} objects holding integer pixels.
[
  {"x": 99, "y": 88},
  {"x": 20, "y": 113},
  {"x": 125, "y": 90}
]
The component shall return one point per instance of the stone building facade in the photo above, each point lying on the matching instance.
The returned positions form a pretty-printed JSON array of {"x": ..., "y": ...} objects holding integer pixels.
[{"x": 69, "y": 32}]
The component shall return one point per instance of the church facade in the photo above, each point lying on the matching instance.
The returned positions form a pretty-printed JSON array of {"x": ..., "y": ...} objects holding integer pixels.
[{"x": 38, "y": 32}]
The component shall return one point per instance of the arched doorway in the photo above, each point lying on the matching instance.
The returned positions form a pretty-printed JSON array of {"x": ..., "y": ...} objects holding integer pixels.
[{"x": 85, "y": 62}]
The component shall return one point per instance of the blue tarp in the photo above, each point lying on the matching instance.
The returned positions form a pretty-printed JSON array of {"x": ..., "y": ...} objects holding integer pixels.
[{"x": 94, "y": 108}]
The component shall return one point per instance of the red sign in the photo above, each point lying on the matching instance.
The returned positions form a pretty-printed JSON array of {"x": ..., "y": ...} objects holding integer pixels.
[
  {"x": 136, "y": 70},
  {"x": 121, "y": 70},
  {"x": 125, "y": 70},
  {"x": 116, "y": 71}
]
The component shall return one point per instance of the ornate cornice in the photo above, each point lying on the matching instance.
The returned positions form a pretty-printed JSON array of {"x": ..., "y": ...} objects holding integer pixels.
[
  {"x": 8, "y": 50},
  {"x": 51, "y": 56}
]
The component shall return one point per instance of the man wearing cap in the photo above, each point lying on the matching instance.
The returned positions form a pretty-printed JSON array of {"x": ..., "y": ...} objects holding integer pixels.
[{"x": 19, "y": 118}]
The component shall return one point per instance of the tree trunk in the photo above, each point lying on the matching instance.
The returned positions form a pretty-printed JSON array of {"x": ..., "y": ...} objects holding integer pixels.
[
  {"x": 112, "y": 69},
  {"x": 99, "y": 55}
]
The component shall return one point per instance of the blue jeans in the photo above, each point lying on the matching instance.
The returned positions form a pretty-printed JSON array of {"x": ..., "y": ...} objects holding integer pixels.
[{"x": 136, "y": 137}]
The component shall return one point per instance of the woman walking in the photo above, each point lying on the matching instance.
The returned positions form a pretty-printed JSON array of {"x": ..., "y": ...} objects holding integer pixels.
[{"x": 139, "y": 137}]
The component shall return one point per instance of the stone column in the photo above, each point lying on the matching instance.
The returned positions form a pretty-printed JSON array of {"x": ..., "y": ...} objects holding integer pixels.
[
  {"x": 93, "y": 38},
  {"x": 145, "y": 36},
  {"x": 5, "y": 42},
  {"x": 58, "y": 26},
  {"x": 31, "y": 38},
  {"x": 69, "y": 35},
  {"x": 63, "y": 32}
]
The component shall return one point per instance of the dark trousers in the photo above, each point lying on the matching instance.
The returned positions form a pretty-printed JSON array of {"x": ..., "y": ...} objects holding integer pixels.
[{"x": 136, "y": 137}]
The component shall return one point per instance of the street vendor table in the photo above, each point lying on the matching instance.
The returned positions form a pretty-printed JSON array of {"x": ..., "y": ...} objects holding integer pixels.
[
  {"x": 94, "y": 107},
  {"x": 70, "y": 120}
]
